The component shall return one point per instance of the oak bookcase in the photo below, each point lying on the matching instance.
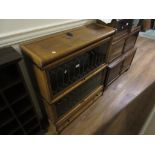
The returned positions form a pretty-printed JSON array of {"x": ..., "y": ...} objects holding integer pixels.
[{"x": 68, "y": 70}]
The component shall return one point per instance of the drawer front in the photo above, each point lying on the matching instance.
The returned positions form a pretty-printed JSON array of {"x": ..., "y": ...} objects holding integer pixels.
[
  {"x": 127, "y": 62},
  {"x": 116, "y": 50},
  {"x": 113, "y": 73},
  {"x": 130, "y": 42}
]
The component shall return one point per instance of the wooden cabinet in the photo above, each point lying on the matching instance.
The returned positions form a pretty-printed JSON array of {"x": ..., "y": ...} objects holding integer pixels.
[
  {"x": 131, "y": 40},
  {"x": 17, "y": 114},
  {"x": 116, "y": 50},
  {"x": 68, "y": 70},
  {"x": 119, "y": 66},
  {"x": 122, "y": 49},
  {"x": 128, "y": 60},
  {"x": 113, "y": 72}
]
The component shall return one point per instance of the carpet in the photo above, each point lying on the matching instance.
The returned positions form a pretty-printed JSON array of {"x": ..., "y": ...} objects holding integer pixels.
[{"x": 148, "y": 34}]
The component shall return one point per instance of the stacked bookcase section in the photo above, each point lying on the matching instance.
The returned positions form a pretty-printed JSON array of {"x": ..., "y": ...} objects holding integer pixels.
[
  {"x": 122, "y": 49},
  {"x": 69, "y": 69}
]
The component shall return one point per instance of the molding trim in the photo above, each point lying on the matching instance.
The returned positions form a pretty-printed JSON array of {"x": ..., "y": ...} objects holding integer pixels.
[{"x": 28, "y": 34}]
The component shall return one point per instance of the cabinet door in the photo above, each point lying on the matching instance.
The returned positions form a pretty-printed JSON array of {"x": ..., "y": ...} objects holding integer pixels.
[
  {"x": 113, "y": 73},
  {"x": 116, "y": 50},
  {"x": 127, "y": 62},
  {"x": 130, "y": 42}
]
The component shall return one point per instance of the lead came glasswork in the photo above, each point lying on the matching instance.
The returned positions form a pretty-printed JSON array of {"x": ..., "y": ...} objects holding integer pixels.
[
  {"x": 70, "y": 100},
  {"x": 69, "y": 72}
]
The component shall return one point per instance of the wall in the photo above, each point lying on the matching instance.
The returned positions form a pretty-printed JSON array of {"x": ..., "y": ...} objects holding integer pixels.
[
  {"x": 8, "y": 26},
  {"x": 13, "y": 31}
]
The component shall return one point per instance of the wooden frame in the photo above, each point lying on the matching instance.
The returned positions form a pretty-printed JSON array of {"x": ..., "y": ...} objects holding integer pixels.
[
  {"x": 133, "y": 35},
  {"x": 115, "y": 69}
]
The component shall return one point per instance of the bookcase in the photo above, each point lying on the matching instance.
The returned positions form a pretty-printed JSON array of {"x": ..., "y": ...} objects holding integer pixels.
[
  {"x": 17, "y": 113},
  {"x": 68, "y": 70},
  {"x": 122, "y": 49}
]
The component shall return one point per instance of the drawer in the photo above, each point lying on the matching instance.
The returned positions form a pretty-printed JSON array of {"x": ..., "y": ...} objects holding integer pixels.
[
  {"x": 113, "y": 72},
  {"x": 127, "y": 61},
  {"x": 130, "y": 42},
  {"x": 116, "y": 50}
]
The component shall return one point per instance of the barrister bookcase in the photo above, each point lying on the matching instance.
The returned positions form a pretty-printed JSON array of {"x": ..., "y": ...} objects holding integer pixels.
[
  {"x": 17, "y": 113},
  {"x": 122, "y": 49},
  {"x": 119, "y": 66},
  {"x": 68, "y": 70}
]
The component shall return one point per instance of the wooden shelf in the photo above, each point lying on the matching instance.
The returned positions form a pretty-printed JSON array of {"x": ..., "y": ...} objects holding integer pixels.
[
  {"x": 27, "y": 114},
  {"x": 29, "y": 120},
  {"x": 13, "y": 83},
  {"x": 35, "y": 129},
  {"x": 11, "y": 127},
  {"x": 12, "y": 94},
  {"x": 9, "y": 76},
  {"x": 78, "y": 83},
  {"x": 7, "y": 121},
  {"x": 14, "y": 97}
]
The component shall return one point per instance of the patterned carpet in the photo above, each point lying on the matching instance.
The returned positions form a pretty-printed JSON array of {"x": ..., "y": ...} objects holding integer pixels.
[{"x": 148, "y": 34}]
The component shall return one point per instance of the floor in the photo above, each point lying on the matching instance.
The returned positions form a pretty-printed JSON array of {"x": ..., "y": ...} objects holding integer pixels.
[
  {"x": 120, "y": 93},
  {"x": 148, "y": 34}
]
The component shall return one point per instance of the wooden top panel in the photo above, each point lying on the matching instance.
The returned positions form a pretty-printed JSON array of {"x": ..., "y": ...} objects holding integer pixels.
[
  {"x": 47, "y": 50},
  {"x": 8, "y": 55}
]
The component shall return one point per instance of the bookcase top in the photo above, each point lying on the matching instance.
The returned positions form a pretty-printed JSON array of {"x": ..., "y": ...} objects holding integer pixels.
[{"x": 48, "y": 49}]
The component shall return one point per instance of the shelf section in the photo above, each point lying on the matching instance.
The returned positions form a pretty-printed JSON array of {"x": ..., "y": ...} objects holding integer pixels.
[
  {"x": 14, "y": 93},
  {"x": 78, "y": 83},
  {"x": 9, "y": 76}
]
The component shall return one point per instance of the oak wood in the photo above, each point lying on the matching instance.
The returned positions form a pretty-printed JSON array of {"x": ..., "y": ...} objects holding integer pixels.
[
  {"x": 41, "y": 74},
  {"x": 116, "y": 50},
  {"x": 119, "y": 66},
  {"x": 42, "y": 82},
  {"x": 50, "y": 49},
  {"x": 120, "y": 95},
  {"x": 130, "y": 41},
  {"x": 45, "y": 54},
  {"x": 127, "y": 61},
  {"x": 113, "y": 73},
  {"x": 68, "y": 117},
  {"x": 77, "y": 110},
  {"x": 78, "y": 83},
  {"x": 122, "y": 34},
  {"x": 79, "y": 52}
]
